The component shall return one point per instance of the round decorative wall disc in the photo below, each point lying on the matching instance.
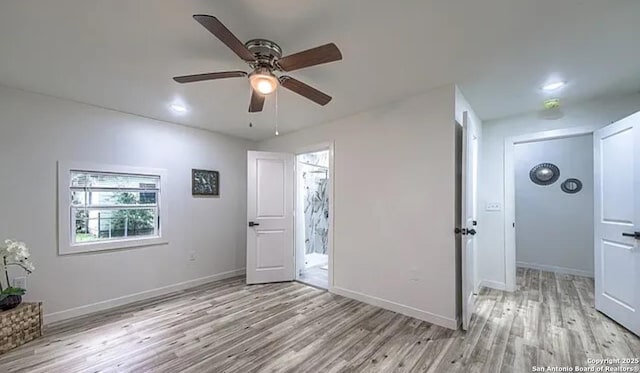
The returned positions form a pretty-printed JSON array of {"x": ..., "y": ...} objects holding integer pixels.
[{"x": 544, "y": 174}]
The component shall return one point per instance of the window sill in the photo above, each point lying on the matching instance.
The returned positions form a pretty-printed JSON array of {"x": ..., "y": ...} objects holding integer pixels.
[{"x": 81, "y": 248}]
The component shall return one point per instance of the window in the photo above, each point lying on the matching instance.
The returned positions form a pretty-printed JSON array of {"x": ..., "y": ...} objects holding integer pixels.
[{"x": 109, "y": 207}]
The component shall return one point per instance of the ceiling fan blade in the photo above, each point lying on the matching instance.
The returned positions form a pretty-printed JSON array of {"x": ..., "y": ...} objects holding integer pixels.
[
  {"x": 304, "y": 90},
  {"x": 219, "y": 30},
  {"x": 209, "y": 76},
  {"x": 312, "y": 57},
  {"x": 257, "y": 102}
]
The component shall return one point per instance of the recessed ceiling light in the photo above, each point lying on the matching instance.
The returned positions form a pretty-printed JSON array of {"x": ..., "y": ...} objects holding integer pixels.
[
  {"x": 553, "y": 86},
  {"x": 178, "y": 108}
]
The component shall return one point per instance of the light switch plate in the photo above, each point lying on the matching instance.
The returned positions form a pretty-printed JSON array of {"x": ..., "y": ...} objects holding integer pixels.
[{"x": 493, "y": 206}]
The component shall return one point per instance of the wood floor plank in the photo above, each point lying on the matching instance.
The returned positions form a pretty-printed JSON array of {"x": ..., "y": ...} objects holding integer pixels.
[{"x": 227, "y": 326}]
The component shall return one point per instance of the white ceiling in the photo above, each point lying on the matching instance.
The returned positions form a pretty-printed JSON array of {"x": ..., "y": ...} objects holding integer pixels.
[{"x": 121, "y": 54}]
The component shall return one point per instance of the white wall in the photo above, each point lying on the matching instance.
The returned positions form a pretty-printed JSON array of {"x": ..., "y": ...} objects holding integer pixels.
[
  {"x": 554, "y": 230},
  {"x": 36, "y": 131},
  {"x": 393, "y": 203},
  {"x": 597, "y": 112}
]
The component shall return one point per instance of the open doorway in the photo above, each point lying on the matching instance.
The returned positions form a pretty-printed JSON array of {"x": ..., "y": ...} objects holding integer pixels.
[
  {"x": 554, "y": 204},
  {"x": 549, "y": 203},
  {"x": 312, "y": 224}
]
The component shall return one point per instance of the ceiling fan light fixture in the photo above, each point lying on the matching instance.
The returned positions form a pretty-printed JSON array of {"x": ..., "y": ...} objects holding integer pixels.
[
  {"x": 263, "y": 82},
  {"x": 552, "y": 86}
]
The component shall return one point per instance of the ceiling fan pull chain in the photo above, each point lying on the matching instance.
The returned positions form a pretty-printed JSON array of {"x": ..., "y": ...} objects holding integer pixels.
[
  {"x": 249, "y": 112},
  {"x": 277, "y": 117}
]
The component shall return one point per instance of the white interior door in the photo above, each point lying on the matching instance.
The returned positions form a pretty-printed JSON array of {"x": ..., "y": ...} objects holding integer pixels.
[
  {"x": 468, "y": 203},
  {"x": 617, "y": 221},
  {"x": 270, "y": 248}
]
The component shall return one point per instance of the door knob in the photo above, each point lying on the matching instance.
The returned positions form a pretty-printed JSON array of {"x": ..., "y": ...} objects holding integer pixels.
[
  {"x": 472, "y": 232},
  {"x": 252, "y": 224},
  {"x": 635, "y": 235}
]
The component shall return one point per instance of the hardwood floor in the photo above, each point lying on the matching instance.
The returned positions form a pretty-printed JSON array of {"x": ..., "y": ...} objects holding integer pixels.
[
  {"x": 316, "y": 276},
  {"x": 289, "y": 327}
]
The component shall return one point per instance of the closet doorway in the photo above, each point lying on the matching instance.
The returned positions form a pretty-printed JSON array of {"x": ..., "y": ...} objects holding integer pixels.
[{"x": 313, "y": 218}]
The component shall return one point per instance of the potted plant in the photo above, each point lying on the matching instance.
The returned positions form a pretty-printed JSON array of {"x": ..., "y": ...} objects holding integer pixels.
[{"x": 13, "y": 253}]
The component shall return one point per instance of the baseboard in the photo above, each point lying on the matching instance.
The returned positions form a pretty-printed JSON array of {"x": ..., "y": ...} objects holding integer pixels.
[
  {"x": 121, "y": 301},
  {"x": 493, "y": 285},
  {"x": 397, "y": 307},
  {"x": 549, "y": 268}
]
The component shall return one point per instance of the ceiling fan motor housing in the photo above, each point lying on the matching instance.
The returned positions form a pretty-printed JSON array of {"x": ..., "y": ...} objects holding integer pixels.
[{"x": 266, "y": 52}]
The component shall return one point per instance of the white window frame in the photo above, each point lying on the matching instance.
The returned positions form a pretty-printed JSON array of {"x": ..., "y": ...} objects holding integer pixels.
[{"x": 66, "y": 245}]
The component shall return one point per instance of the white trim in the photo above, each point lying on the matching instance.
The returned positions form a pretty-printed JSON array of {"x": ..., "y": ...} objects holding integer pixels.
[
  {"x": 492, "y": 284},
  {"x": 471, "y": 303},
  {"x": 312, "y": 149},
  {"x": 477, "y": 286},
  {"x": 509, "y": 202},
  {"x": 399, "y": 308},
  {"x": 556, "y": 269},
  {"x": 131, "y": 298},
  {"x": 65, "y": 245}
]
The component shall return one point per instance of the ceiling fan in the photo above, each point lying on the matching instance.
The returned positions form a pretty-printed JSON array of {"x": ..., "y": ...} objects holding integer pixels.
[{"x": 265, "y": 57}]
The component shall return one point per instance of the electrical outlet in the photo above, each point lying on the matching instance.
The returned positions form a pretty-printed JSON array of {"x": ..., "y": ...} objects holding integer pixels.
[
  {"x": 20, "y": 282},
  {"x": 192, "y": 256},
  {"x": 493, "y": 206}
]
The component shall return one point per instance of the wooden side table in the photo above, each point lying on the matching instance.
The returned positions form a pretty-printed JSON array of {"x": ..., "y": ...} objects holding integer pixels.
[{"x": 20, "y": 325}]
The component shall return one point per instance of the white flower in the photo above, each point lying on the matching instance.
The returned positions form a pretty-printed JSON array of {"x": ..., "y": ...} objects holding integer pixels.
[
  {"x": 18, "y": 250},
  {"x": 16, "y": 253}
]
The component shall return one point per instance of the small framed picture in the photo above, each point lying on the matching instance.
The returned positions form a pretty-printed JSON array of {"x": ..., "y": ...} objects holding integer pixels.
[{"x": 205, "y": 183}]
